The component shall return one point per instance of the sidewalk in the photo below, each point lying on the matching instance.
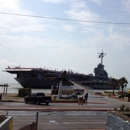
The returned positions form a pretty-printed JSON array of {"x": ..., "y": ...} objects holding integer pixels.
[{"x": 12, "y": 97}]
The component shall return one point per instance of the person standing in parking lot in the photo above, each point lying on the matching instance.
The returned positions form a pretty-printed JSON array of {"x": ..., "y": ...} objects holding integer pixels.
[{"x": 86, "y": 97}]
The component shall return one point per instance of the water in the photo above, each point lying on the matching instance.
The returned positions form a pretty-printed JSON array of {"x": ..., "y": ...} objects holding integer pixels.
[{"x": 13, "y": 88}]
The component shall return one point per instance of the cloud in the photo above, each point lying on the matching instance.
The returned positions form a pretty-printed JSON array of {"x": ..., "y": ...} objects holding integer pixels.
[
  {"x": 7, "y": 63},
  {"x": 7, "y": 5},
  {"x": 53, "y": 1},
  {"x": 68, "y": 27},
  {"x": 126, "y": 4},
  {"x": 80, "y": 11},
  {"x": 6, "y": 78},
  {"x": 18, "y": 24},
  {"x": 119, "y": 42},
  {"x": 78, "y": 5},
  {"x": 99, "y": 2},
  {"x": 22, "y": 41},
  {"x": 11, "y": 23},
  {"x": 60, "y": 1},
  {"x": 113, "y": 41},
  {"x": 32, "y": 42}
]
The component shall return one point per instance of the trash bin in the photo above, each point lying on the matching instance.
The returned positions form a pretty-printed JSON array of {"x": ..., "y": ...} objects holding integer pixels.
[{"x": 0, "y": 97}]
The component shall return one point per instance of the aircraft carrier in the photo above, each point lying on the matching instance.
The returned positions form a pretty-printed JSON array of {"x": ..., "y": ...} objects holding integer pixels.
[{"x": 36, "y": 77}]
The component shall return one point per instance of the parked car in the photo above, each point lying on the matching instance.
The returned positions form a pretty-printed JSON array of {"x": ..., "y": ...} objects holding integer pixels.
[
  {"x": 122, "y": 95},
  {"x": 37, "y": 98}
]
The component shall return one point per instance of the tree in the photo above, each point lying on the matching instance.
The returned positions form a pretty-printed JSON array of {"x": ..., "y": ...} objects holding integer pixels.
[
  {"x": 123, "y": 83},
  {"x": 113, "y": 84}
]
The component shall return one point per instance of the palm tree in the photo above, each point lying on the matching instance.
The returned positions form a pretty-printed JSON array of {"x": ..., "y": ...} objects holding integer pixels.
[
  {"x": 113, "y": 84},
  {"x": 123, "y": 83}
]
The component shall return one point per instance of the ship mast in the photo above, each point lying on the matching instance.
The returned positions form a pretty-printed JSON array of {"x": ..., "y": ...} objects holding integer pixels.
[{"x": 101, "y": 55}]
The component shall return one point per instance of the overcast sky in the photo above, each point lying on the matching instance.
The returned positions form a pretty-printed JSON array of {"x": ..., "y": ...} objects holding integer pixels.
[{"x": 63, "y": 44}]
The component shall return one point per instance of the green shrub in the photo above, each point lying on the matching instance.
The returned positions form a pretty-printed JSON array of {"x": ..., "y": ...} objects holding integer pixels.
[
  {"x": 115, "y": 109},
  {"x": 127, "y": 109},
  {"x": 24, "y": 91},
  {"x": 122, "y": 107}
]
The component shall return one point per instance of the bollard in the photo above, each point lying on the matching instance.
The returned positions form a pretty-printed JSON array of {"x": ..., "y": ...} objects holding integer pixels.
[
  {"x": 36, "y": 120},
  {"x": 7, "y": 113}
]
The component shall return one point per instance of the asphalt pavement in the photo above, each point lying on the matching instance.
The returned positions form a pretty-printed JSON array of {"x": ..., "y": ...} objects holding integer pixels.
[
  {"x": 95, "y": 103},
  {"x": 60, "y": 115},
  {"x": 60, "y": 120}
]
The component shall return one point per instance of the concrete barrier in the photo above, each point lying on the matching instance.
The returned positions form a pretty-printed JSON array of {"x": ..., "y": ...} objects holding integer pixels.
[
  {"x": 7, "y": 124},
  {"x": 114, "y": 122}
]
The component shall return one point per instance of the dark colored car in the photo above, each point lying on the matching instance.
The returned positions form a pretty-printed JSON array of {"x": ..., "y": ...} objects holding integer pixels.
[
  {"x": 37, "y": 98},
  {"x": 122, "y": 95}
]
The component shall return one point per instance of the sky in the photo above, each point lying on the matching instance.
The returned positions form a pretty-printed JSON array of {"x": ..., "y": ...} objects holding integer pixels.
[{"x": 64, "y": 44}]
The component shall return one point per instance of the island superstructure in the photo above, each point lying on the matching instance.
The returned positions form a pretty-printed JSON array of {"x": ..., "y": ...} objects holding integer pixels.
[{"x": 35, "y": 77}]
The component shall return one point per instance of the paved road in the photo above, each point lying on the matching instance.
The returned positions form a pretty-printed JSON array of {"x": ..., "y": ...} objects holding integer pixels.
[
  {"x": 94, "y": 103},
  {"x": 72, "y": 116},
  {"x": 63, "y": 120}
]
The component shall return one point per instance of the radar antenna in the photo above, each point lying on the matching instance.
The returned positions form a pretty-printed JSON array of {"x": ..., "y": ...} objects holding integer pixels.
[{"x": 101, "y": 55}]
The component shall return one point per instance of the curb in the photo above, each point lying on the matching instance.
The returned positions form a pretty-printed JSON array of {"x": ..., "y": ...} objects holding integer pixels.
[
  {"x": 56, "y": 102},
  {"x": 57, "y": 109}
]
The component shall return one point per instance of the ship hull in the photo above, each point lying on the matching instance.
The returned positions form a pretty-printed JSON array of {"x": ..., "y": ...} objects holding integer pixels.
[
  {"x": 46, "y": 84},
  {"x": 36, "y": 83}
]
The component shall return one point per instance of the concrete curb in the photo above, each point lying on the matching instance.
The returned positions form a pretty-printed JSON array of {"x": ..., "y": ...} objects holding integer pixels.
[
  {"x": 77, "y": 102},
  {"x": 57, "y": 102},
  {"x": 57, "y": 109}
]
